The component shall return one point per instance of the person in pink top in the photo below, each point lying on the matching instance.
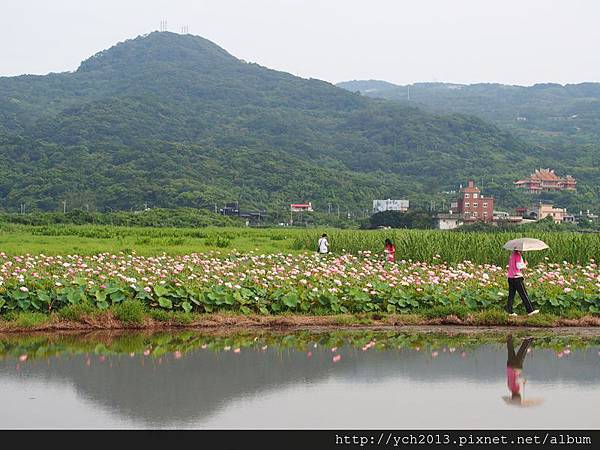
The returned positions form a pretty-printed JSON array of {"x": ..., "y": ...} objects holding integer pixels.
[
  {"x": 516, "y": 265},
  {"x": 514, "y": 367},
  {"x": 390, "y": 251}
]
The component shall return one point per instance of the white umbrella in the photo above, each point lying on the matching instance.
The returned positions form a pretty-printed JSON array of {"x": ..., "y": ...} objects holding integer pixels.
[{"x": 525, "y": 244}]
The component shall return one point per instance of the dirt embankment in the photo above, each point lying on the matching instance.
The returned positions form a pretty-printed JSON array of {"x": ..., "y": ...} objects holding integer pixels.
[{"x": 107, "y": 321}]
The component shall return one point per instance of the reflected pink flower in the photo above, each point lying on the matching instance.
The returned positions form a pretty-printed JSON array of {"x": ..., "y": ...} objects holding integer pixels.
[
  {"x": 177, "y": 354},
  {"x": 434, "y": 354},
  {"x": 463, "y": 354},
  {"x": 88, "y": 362},
  {"x": 101, "y": 358},
  {"x": 336, "y": 358},
  {"x": 309, "y": 354},
  {"x": 237, "y": 350}
]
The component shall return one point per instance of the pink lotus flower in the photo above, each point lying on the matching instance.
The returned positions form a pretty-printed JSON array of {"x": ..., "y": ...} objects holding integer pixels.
[
  {"x": 236, "y": 350},
  {"x": 177, "y": 354},
  {"x": 23, "y": 358},
  {"x": 146, "y": 352}
]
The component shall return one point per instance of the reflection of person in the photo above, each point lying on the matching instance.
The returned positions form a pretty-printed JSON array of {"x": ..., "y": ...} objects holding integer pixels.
[
  {"x": 390, "y": 250},
  {"x": 515, "y": 284},
  {"x": 323, "y": 244},
  {"x": 514, "y": 367}
]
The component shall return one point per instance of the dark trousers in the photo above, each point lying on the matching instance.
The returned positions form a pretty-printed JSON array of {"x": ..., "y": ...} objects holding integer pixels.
[
  {"x": 517, "y": 285},
  {"x": 516, "y": 360}
]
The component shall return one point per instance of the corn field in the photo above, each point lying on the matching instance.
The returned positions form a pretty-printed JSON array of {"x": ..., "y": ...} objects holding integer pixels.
[{"x": 454, "y": 247}]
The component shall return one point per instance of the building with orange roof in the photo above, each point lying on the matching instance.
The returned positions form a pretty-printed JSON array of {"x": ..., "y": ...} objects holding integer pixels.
[{"x": 543, "y": 180}]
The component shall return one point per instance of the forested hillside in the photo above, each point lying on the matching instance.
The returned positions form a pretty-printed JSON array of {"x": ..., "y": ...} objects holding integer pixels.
[
  {"x": 562, "y": 122},
  {"x": 174, "y": 120}
]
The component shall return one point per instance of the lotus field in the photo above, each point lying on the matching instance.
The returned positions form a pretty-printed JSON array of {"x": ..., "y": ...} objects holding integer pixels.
[{"x": 279, "y": 283}]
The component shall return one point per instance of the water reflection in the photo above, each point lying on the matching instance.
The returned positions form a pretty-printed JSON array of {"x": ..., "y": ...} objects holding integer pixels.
[
  {"x": 361, "y": 379},
  {"x": 514, "y": 379}
]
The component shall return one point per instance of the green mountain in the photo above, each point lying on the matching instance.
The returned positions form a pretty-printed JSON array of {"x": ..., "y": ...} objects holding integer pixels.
[
  {"x": 545, "y": 110},
  {"x": 174, "y": 120}
]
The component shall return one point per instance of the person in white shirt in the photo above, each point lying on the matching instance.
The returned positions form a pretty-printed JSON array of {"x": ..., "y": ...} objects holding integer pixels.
[{"x": 323, "y": 245}]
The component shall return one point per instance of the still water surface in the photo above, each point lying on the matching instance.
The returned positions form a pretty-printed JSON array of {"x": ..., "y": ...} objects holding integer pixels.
[{"x": 334, "y": 380}]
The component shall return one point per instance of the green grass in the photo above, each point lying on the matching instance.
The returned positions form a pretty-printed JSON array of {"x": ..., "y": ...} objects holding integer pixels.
[
  {"x": 92, "y": 239},
  {"x": 26, "y": 319},
  {"x": 130, "y": 312},
  {"x": 418, "y": 245},
  {"x": 77, "y": 312}
]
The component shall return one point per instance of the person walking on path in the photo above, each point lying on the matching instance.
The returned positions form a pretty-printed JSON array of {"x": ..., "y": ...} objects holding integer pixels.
[
  {"x": 516, "y": 284},
  {"x": 323, "y": 245},
  {"x": 390, "y": 251}
]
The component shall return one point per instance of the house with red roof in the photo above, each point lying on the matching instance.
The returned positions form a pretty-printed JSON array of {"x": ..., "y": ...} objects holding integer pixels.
[{"x": 543, "y": 180}]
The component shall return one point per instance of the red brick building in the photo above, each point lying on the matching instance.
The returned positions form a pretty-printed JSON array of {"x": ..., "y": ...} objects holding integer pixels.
[{"x": 473, "y": 206}]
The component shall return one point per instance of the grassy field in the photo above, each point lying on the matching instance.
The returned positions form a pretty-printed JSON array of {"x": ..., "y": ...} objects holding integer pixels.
[
  {"x": 90, "y": 239},
  {"x": 417, "y": 245}
]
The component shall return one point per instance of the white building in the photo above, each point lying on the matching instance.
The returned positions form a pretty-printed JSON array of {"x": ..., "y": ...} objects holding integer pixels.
[
  {"x": 448, "y": 221},
  {"x": 390, "y": 205}
]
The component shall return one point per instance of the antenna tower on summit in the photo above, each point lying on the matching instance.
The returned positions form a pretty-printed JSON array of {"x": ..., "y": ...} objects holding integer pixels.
[
  {"x": 163, "y": 25},
  {"x": 185, "y": 29}
]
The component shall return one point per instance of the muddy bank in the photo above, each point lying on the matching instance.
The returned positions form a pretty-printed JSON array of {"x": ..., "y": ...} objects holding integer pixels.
[{"x": 207, "y": 322}]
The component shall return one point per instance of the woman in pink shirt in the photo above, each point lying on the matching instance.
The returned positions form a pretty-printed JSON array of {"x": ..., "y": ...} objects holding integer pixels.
[
  {"x": 390, "y": 251},
  {"x": 516, "y": 284}
]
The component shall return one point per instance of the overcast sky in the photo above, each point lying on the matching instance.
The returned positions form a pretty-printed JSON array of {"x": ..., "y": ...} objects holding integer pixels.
[{"x": 402, "y": 41}]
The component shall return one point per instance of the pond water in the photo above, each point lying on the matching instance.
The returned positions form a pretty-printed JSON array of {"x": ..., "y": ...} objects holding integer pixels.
[{"x": 298, "y": 380}]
